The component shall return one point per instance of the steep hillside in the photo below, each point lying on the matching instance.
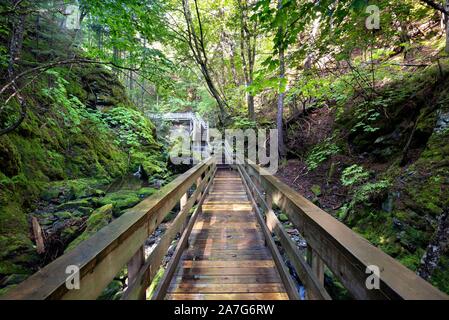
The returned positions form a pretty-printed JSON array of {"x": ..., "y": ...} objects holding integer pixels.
[
  {"x": 81, "y": 133},
  {"x": 381, "y": 166}
]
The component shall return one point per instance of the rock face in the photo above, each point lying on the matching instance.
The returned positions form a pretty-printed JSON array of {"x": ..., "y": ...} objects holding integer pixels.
[
  {"x": 403, "y": 220},
  {"x": 442, "y": 122},
  {"x": 80, "y": 134}
]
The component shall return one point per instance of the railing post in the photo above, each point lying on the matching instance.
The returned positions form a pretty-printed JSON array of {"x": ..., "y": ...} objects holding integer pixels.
[
  {"x": 134, "y": 265},
  {"x": 183, "y": 201},
  {"x": 182, "y": 204},
  {"x": 198, "y": 183},
  {"x": 316, "y": 263},
  {"x": 269, "y": 201}
]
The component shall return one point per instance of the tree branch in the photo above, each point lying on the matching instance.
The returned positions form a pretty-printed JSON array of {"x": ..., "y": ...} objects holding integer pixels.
[{"x": 436, "y": 6}]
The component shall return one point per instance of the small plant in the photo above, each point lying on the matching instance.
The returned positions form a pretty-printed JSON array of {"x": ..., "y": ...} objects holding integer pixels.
[
  {"x": 321, "y": 153},
  {"x": 354, "y": 174},
  {"x": 364, "y": 194},
  {"x": 244, "y": 123},
  {"x": 367, "y": 113}
]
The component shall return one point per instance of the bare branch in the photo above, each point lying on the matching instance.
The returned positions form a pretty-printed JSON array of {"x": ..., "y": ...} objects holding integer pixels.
[{"x": 436, "y": 6}]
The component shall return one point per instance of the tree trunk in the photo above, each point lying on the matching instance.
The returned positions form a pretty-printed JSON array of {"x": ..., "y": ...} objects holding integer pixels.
[
  {"x": 15, "y": 46},
  {"x": 280, "y": 111},
  {"x": 446, "y": 19},
  {"x": 247, "y": 51},
  {"x": 198, "y": 49},
  {"x": 15, "y": 49}
]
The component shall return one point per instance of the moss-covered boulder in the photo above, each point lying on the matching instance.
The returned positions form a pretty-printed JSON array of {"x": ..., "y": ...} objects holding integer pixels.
[
  {"x": 146, "y": 192},
  {"x": 120, "y": 200},
  {"x": 98, "y": 220}
]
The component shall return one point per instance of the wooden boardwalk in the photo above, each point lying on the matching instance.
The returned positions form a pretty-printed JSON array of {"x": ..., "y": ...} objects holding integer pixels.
[
  {"x": 227, "y": 257},
  {"x": 226, "y": 249}
]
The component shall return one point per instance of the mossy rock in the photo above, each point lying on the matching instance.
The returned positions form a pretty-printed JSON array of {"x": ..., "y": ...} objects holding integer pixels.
[
  {"x": 121, "y": 200},
  {"x": 316, "y": 189},
  {"x": 146, "y": 192},
  {"x": 72, "y": 205},
  {"x": 74, "y": 189},
  {"x": 283, "y": 217},
  {"x": 70, "y": 233},
  {"x": 83, "y": 211},
  {"x": 63, "y": 215},
  {"x": 51, "y": 194},
  {"x": 17, "y": 254},
  {"x": 98, "y": 220}
]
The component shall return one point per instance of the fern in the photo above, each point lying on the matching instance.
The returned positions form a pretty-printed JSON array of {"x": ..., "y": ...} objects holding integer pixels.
[
  {"x": 321, "y": 153},
  {"x": 354, "y": 174}
]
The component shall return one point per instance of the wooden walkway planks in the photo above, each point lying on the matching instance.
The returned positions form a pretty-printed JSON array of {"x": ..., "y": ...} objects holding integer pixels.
[{"x": 227, "y": 258}]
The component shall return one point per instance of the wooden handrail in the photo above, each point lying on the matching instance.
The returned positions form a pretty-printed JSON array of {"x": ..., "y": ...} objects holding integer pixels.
[
  {"x": 102, "y": 256},
  {"x": 344, "y": 252},
  {"x": 137, "y": 289},
  {"x": 162, "y": 287},
  {"x": 314, "y": 289}
]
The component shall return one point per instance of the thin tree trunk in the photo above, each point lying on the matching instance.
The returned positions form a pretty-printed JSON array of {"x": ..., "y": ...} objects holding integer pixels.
[
  {"x": 446, "y": 18},
  {"x": 232, "y": 62},
  {"x": 280, "y": 111},
  {"x": 15, "y": 49},
  {"x": 197, "y": 47},
  {"x": 247, "y": 49}
]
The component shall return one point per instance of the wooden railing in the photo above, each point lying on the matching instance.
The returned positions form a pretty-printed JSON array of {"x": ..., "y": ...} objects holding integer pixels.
[
  {"x": 121, "y": 244},
  {"x": 330, "y": 244}
]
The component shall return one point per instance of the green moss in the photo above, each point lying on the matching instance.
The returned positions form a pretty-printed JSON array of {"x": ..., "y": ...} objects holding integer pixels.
[
  {"x": 9, "y": 157},
  {"x": 98, "y": 220},
  {"x": 440, "y": 277},
  {"x": 17, "y": 254},
  {"x": 113, "y": 291},
  {"x": 121, "y": 200},
  {"x": 155, "y": 282},
  {"x": 65, "y": 215},
  {"x": 75, "y": 189},
  {"x": 316, "y": 189},
  {"x": 75, "y": 204},
  {"x": 146, "y": 192},
  {"x": 68, "y": 150}
]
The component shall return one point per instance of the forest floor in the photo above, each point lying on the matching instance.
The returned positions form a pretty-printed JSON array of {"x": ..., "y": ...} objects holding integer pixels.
[{"x": 322, "y": 185}]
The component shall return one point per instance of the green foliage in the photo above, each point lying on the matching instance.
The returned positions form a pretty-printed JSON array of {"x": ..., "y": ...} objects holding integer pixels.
[
  {"x": 363, "y": 195},
  {"x": 354, "y": 174},
  {"x": 321, "y": 153},
  {"x": 132, "y": 128},
  {"x": 367, "y": 113},
  {"x": 243, "y": 123},
  {"x": 70, "y": 109}
]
